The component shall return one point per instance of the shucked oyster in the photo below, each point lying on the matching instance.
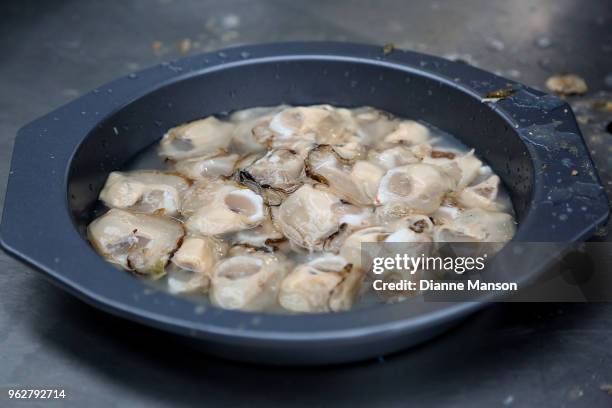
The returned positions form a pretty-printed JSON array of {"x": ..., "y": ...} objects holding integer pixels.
[
  {"x": 139, "y": 242},
  {"x": 327, "y": 283},
  {"x": 191, "y": 266},
  {"x": 446, "y": 213},
  {"x": 415, "y": 234},
  {"x": 350, "y": 218},
  {"x": 207, "y": 167},
  {"x": 322, "y": 124},
  {"x": 299, "y": 128},
  {"x": 250, "y": 193},
  {"x": 464, "y": 168},
  {"x": 477, "y": 225},
  {"x": 399, "y": 155},
  {"x": 408, "y": 132},
  {"x": 219, "y": 207},
  {"x": 144, "y": 191},
  {"x": 264, "y": 236},
  {"x": 205, "y": 138},
  {"x": 307, "y": 217},
  {"x": 373, "y": 124},
  {"x": 355, "y": 182},
  {"x": 274, "y": 175},
  {"x": 351, "y": 248},
  {"x": 248, "y": 282},
  {"x": 482, "y": 195},
  {"x": 243, "y": 136},
  {"x": 416, "y": 188}
]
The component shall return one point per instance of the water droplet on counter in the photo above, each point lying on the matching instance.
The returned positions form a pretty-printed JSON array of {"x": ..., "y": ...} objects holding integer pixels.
[
  {"x": 132, "y": 76},
  {"x": 543, "y": 42},
  {"x": 244, "y": 55},
  {"x": 495, "y": 44}
]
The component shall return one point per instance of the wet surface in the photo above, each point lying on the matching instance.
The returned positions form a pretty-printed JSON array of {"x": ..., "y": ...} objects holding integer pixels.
[{"x": 508, "y": 355}]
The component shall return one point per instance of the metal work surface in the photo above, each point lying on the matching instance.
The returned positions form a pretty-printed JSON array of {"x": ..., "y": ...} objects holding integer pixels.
[{"x": 508, "y": 355}]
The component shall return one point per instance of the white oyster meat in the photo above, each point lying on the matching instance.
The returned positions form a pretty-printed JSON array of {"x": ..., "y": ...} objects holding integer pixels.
[
  {"x": 151, "y": 192},
  {"x": 283, "y": 208},
  {"x": 327, "y": 283},
  {"x": 192, "y": 264},
  {"x": 307, "y": 217},
  {"x": 139, "y": 242},
  {"x": 248, "y": 282},
  {"x": 206, "y": 137},
  {"x": 220, "y": 207}
]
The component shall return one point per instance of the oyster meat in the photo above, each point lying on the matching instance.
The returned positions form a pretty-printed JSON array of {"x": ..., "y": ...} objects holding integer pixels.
[
  {"x": 328, "y": 283},
  {"x": 139, "y": 242},
  {"x": 191, "y": 266},
  {"x": 414, "y": 188},
  {"x": 275, "y": 175},
  {"x": 205, "y": 138},
  {"x": 277, "y": 208},
  {"x": 152, "y": 192},
  {"x": 307, "y": 217},
  {"x": 355, "y": 183},
  {"x": 221, "y": 207},
  {"x": 198, "y": 168},
  {"x": 248, "y": 282}
]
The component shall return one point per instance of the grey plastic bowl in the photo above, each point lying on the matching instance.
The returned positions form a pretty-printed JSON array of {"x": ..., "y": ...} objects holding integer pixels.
[{"x": 61, "y": 160}]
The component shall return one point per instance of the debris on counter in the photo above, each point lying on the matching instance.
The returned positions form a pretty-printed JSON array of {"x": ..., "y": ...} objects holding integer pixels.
[
  {"x": 185, "y": 45},
  {"x": 501, "y": 93},
  {"x": 388, "y": 48},
  {"x": 498, "y": 94},
  {"x": 495, "y": 44},
  {"x": 584, "y": 119},
  {"x": 606, "y": 388},
  {"x": 567, "y": 84},
  {"x": 602, "y": 105},
  {"x": 574, "y": 172},
  {"x": 157, "y": 47}
]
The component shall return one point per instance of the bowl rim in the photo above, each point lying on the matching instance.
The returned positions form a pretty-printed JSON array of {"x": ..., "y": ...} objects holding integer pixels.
[{"x": 40, "y": 170}]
